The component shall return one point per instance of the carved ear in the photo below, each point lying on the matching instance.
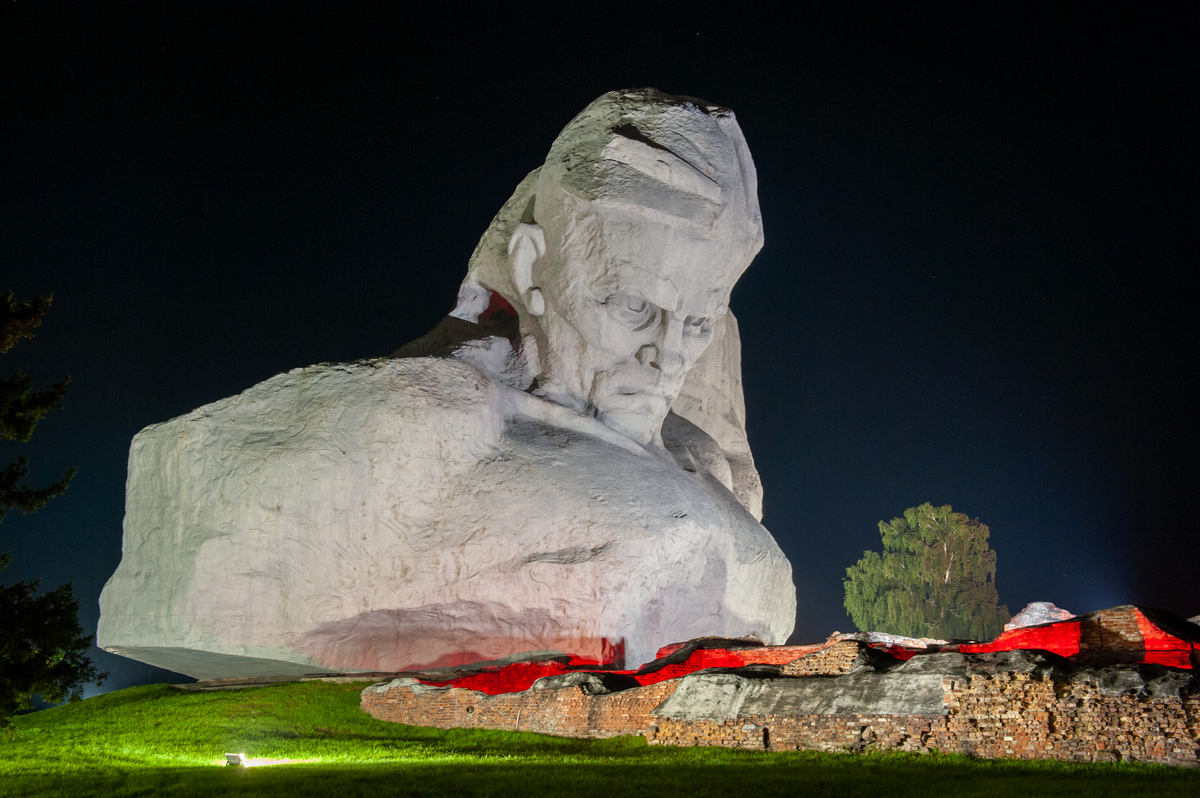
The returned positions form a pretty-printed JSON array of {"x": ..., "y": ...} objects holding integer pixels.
[{"x": 526, "y": 249}]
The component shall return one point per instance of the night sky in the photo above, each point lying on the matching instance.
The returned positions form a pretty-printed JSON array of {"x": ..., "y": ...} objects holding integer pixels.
[{"x": 977, "y": 287}]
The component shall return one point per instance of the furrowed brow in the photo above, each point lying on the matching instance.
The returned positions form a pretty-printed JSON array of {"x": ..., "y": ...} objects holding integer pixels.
[{"x": 631, "y": 147}]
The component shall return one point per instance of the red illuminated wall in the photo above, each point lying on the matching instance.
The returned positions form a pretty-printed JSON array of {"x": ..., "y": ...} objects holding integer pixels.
[
  {"x": 1061, "y": 638},
  {"x": 1121, "y": 629}
]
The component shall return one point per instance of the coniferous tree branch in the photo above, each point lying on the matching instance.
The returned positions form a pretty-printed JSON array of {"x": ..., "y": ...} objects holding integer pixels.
[
  {"x": 22, "y": 407},
  {"x": 17, "y": 319},
  {"x": 43, "y": 650},
  {"x": 15, "y": 496}
]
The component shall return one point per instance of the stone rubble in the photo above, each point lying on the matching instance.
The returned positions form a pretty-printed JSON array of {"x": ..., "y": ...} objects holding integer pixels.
[
  {"x": 1111, "y": 702},
  {"x": 1037, "y": 613}
]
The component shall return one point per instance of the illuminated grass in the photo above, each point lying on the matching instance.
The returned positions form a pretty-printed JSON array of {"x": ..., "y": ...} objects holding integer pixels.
[{"x": 159, "y": 741}]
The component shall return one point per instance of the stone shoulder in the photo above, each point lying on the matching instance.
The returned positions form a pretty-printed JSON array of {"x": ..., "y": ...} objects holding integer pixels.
[{"x": 295, "y": 401}]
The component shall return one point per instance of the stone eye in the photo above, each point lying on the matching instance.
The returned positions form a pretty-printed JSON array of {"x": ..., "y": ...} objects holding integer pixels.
[
  {"x": 698, "y": 325},
  {"x": 632, "y": 311}
]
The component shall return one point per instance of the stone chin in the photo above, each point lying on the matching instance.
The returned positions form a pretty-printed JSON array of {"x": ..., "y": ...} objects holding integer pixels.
[
  {"x": 637, "y": 414},
  {"x": 638, "y": 427}
]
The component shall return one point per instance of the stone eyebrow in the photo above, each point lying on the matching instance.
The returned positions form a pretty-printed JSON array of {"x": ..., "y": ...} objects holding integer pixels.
[{"x": 634, "y": 149}]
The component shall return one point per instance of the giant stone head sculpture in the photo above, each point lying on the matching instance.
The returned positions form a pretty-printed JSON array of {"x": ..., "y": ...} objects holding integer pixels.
[
  {"x": 621, "y": 251},
  {"x": 573, "y": 478}
]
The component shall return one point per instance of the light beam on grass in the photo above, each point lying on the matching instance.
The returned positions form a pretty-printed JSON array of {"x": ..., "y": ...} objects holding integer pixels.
[{"x": 241, "y": 760}]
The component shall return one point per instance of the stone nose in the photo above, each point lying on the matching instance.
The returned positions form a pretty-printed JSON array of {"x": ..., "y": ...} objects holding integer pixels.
[
  {"x": 666, "y": 353},
  {"x": 647, "y": 355}
]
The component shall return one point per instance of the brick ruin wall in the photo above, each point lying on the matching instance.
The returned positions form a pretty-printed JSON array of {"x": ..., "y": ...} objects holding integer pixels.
[
  {"x": 1006, "y": 715},
  {"x": 1021, "y": 715},
  {"x": 1013, "y": 716},
  {"x": 831, "y": 660},
  {"x": 565, "y": 712}
]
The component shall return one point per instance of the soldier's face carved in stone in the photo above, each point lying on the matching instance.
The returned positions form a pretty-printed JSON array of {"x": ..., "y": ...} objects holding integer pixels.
[
  {"x": 625, "y": 304},
  {"x": 622, "y": 251}
]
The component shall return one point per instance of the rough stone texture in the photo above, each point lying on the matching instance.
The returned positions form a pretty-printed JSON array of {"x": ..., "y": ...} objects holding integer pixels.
[
  {"x": 1129, "y": 633},
  {"x": 575, "y": 478},
  {"x": 1007, "y": 705},
  {"x": 1006, "y": 715},
  {"x": 369, "y": 556},
  {"x": 721, "y": 696},
  {"x": 568, "y": 711},
  {"x": 1161, "y": 639},
  {"x": 1037, "y": 613},
  {"x": 672, "y": 662},
  {"x": 1110, "y": 701},
  {"x": 834, "y": 660},
  {"x": 889, "y": 640}
]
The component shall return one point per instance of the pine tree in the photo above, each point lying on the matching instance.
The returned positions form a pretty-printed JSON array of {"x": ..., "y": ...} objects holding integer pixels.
[
  {"x": 22, "y": 407},
  {"x": 43, "y": 650},
  {"x": 935, "y": 578}
]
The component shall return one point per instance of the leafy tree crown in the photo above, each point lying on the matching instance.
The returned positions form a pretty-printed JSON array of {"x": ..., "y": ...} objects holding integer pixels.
[{"x": 936, "y": 577}]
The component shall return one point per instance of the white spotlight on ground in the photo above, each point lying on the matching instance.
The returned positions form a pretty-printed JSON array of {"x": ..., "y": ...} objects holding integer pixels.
[{"x": 241, "y": 760}]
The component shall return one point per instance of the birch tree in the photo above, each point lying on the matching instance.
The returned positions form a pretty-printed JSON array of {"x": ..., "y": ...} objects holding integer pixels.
[{"x": 936, "y": 578}]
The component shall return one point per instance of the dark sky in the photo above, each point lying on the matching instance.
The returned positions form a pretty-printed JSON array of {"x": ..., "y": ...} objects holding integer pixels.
[{"x": 977, "y": 287}]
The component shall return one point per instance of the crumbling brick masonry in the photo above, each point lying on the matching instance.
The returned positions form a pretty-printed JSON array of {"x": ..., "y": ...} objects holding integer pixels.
[{"x": 1116, "y": 685}]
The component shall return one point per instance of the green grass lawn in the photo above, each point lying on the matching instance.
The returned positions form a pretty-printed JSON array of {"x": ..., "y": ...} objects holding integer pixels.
[{"x": 160, "y": 741}]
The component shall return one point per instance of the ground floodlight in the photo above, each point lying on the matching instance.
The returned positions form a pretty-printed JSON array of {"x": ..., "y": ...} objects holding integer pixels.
[{"x": 235, "y": 760}]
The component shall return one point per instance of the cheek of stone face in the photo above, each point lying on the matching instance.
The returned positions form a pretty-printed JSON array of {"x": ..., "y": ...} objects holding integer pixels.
[
  {"x": 618, "y": 342},
  {"x": 694, "y": 346},
  {"x": 617, "y": 373},
  {"x": 603, "y": 341}
]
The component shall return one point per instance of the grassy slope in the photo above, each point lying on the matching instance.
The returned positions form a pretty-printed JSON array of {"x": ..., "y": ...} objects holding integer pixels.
[{"x": 155, "y": 740}]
